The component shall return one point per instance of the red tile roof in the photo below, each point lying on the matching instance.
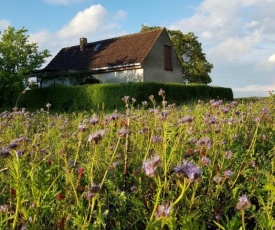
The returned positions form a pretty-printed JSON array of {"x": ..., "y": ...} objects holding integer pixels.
[{"x": 119, "y": 51}]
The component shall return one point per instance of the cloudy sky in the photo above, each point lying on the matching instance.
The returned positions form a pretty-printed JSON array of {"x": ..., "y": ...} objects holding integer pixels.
[{"x": 237, "y": 36}]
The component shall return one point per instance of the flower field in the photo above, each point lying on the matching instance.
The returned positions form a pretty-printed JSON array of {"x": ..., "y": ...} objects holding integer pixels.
[{"x": 206, "y": 165}]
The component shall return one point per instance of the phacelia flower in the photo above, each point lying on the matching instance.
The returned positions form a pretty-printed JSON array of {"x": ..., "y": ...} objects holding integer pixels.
[
  {"x": 189, "y": 170},
  {"x": 150, "y": 165},
  {"x": 96, "y": 136},
  {"x": 186, "y": 119},
  {"x": 205, "y": 142},
  {"x": 156, "y": 139},
  {"x": 205, "y": 161},
  {"x": 93, "y": 190},
  {"x": 243, "y": 203},
  {"x": 228, "y": 154},
  {"x": 163, "y": 211},
  {"x": 217, "y": 179},
  {"x": 93, "y": 120},
  {"x": 228, "y": 173},
  {"x": 161, "y": 92},
  {"x": 81, "y": 128}
]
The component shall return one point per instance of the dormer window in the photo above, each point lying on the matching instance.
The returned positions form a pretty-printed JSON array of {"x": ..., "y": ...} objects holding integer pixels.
[
  {"x": 97, "y": 46},
  {"x": 167, "y": 58}
]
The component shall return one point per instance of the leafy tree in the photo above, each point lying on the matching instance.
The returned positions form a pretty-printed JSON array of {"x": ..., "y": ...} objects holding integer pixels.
[
  {"x": 196, "y": 68},
  {"x": 18, "y": 59}
]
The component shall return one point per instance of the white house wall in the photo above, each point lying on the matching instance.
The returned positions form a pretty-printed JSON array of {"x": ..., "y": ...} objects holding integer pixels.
[{"x": 135, "y": 75}]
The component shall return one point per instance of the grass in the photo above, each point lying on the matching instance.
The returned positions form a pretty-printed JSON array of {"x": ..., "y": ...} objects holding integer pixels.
[{"x": 209, "y": 165}]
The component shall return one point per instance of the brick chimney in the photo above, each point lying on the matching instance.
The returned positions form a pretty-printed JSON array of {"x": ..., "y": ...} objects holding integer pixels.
[{"x": 83, "y": 43}]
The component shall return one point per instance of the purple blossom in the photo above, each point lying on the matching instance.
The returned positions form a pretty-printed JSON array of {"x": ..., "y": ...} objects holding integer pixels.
[
  {"x": 156, "y": 139},
  {"x": 205, "y": 161},
  {"x": 227, "y": 173},
  {"x": 114, "y": 116},
  {"x": 217, "y": 179},
  {"x": 189, "y": 170},
  {"x": 96, "y": 136},
  {"x": 81, "y": 128},
  {"x": 186, "y": 119},
  {"x": 4, "y": 153},
  {"x": 243, "y": 203},
  {"x": 228, "y": 154},
  {"x": 205, "y": 142},
  {"x": 161, "y": 92},
  {"x": 123, "y": 132},
  {"x": 150, "y": 165},
  {"x": 95, "y": 188},
  {"x": 93, "y": 120},
  {"x": 163, "y": 211}
]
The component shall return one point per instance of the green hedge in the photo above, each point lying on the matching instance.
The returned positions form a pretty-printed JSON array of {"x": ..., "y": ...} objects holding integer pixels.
[{"x": 109, "y": 96}]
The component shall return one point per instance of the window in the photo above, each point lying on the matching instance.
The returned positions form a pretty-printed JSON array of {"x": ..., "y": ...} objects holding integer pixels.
[{"x": 167, "y": 57}]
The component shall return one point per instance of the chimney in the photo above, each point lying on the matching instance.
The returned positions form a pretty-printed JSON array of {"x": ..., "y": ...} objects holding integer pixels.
[{"x": 83, "y": 42}]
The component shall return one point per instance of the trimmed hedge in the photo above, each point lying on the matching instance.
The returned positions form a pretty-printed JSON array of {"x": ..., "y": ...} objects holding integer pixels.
[{"x": 109, "y": 96}]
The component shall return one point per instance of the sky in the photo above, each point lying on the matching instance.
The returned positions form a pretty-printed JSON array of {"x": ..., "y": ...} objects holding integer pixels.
[{"x": 237, "y": 36}]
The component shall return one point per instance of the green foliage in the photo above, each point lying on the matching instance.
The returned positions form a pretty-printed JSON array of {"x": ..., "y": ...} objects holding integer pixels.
[
  {"x": 109, "y": 96},
  {"x": 196, "y": 68},
  {"x": 18, "y": 59},
  {"x": 124, "y": 170}
]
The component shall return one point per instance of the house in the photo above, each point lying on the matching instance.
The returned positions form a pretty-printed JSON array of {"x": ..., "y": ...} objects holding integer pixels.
[{"x": 140, "y": 57}]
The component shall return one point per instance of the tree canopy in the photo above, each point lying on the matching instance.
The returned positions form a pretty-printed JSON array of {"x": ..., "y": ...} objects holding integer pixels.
[
  {"x": 18, "y": 59},
  {"x": 196, "y": 68}
]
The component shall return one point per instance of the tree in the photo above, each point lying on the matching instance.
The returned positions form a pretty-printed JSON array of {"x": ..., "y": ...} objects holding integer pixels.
[
  {"x": 196, "y": 68},
  {"x": 18, "y": 59}
]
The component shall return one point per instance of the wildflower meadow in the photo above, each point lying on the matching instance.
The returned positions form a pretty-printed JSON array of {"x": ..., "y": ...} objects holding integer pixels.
[{"x": 203, "y": 165}]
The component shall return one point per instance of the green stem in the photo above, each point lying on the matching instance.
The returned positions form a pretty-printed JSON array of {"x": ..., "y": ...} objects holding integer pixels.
[
  {"x": 184, "y": 187},
  {"x": 159, "y": 188},
  {"x": 243, "y": 223}
]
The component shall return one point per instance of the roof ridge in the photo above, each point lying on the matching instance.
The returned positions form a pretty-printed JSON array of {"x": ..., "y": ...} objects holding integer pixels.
[{"x": 122, "y": 36}]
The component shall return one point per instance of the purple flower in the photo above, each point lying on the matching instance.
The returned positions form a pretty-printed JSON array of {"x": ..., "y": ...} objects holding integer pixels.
[
  {"x": 123, "y": 132},
  {"x": 205, "y": 142},
  {"x": 243, "y": 203},
  {"x": 217, "y": 179},
  {"x": 163, "y": 211},
  {"x": 156, "y": 139},
  {"x": 95, "y": 188},
  {"x": 189, "y": 170},
  {"x": 205, "y": 161},
  {"x": 228, "y": 173},
  {"x": 228, "y": 154},
  {"x": 81, "y": 128},
  {"x": 94, "y": 120},
  {"x": 96, "y": 136},
  {"x": 186, "y": 119},
  {"x": 150, "y": 165},
  {"x": 4, "y": 153},
  {"x": 161, "y": 92}
]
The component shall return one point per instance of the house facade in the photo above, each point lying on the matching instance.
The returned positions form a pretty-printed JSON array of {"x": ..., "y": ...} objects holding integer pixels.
[{"x": 141, "y": 57}]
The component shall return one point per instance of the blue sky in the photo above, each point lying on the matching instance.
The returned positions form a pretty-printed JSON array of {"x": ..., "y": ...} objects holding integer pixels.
[{"x": 237, "y": 36}]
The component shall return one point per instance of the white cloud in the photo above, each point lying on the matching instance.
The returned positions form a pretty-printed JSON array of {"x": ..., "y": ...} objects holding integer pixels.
[
  {"x": 95, "y": 23},
  {"x": 271, "y": 58},
  {"x": 4, "y": 24},
  {"x": 238, "y": 38},
  {"x": 60, "y": 2},
  {"x": 90, "y": 20}
]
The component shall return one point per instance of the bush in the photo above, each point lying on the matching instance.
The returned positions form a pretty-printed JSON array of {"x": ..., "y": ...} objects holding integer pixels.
[{"x": 109, "y": 96}]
